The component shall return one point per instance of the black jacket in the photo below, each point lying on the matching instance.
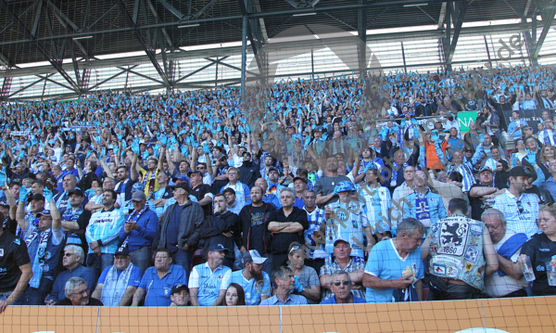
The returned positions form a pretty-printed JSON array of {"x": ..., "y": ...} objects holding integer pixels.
[
  {"x": 245, "y": 225},
  {"x": 214, "y": 226},
  {"x": 249, "y": 173}
]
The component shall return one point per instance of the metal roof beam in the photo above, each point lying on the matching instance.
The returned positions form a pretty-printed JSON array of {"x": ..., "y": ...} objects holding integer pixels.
[
  {"x": 56, "y": 63},
  {"x": 547, "y": 19},
  {"x": 204, "y": 9},
  {"x": 458, "y": 21},
  {"x": 150, "y": 53},
  {"x": 171, "y": 9}
]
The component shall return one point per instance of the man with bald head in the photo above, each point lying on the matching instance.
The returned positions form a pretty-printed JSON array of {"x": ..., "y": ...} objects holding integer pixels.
[
  {"x": 69, "y": 184},
  {"x": 505, "y": 282},
  {"x": 268, "y": 198},
  {"x": 253, "y": 221}
]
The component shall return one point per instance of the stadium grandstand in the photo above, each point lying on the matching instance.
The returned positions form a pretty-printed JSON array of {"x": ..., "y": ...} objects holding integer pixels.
[{"x": 280, "y": 165}]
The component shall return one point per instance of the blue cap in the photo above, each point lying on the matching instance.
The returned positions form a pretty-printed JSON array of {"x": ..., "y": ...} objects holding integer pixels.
[
  {"x": 344, "y": 186},
  {"x": 217, "y": 248}
]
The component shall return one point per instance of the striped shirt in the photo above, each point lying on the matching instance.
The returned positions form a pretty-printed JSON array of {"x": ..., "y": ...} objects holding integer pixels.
[{"x": 521, "y": 214}]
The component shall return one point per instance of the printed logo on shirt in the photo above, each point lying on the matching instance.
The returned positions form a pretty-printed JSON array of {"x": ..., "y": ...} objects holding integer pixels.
[
  {"x": 17, "y": 241},
  {"x": 439, "y": 269},
  {"x": 1, "y": 252},
  {"x": 544, "y": 250},
  {"x": 453, "y": 237},
  {"x": 468, "y": 266},
  {"x": 452, "y": 272},
  {"x": 476, "y": 229},
  {"x": 471, "y": 255},
  {"x": 540, "y": 268}
]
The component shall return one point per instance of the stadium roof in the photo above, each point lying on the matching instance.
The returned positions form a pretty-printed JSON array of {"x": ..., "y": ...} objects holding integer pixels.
[{"x": 85, "y": 32}]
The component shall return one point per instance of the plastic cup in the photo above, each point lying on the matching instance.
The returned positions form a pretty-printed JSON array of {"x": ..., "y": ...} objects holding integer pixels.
[{"x": 527, "y": 269}]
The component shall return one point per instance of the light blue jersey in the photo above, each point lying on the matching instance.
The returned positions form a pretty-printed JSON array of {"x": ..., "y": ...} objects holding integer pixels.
[
  {"x": 385, "y": 262},
  {"x": 208, "y": 282},
  {"x": 253, "y": 289}
]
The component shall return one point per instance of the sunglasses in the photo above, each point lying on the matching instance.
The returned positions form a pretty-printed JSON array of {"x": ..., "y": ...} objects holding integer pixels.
[{"x": 339, "y": 283}]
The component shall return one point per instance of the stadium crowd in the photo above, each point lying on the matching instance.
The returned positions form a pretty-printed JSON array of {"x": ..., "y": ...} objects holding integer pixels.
[{"x": 324, "y": 190}]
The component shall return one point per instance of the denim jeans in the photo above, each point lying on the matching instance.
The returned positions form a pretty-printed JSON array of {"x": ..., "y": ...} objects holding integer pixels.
[
  {"x": 98, "y": 264},
  {"x": 141, "y": 258},
  {"x": 35, "y": 296},
  {"x": 183, "y": 258}
]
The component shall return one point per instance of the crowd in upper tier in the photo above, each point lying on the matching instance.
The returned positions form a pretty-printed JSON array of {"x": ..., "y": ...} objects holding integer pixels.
[{"x": 324, "y": 190}]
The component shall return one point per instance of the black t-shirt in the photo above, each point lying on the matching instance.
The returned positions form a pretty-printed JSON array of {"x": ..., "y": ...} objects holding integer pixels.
[
  {"x": 281, "y": 241},
  {"x": 540, "y": 249},
  {"x": 13, "y": 253},
  {"x": 256, "y": 235},
  {"x": 478, "y": 206},
  {"x": 92, "y": 302},
  {"x": 199, "y": 193}
]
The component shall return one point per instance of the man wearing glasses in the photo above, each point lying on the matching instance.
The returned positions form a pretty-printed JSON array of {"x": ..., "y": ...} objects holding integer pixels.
[
  {"x": 158, "y": 281},
  {"x": 77, "y": 293},
  {"x": 521, "y": 209},
  {"x": 340, "y": 285}
]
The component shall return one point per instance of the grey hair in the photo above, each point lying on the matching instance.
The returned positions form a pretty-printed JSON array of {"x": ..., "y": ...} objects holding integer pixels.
[
  {"x": 287, "y": 189},
  {"x": 494, "y": 212},
  {"x": 309, "y": 190},
  {"x": 409, "y": 225},
  {"x": 338, "y": 273},
  {"x": 72, "y": 283},
  {"x": 78, "y": 251}
]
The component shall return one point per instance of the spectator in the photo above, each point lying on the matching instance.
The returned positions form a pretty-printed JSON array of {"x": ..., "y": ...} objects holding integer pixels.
[
  {"x": 45, "y": 238},
  {"x": 324, "y": 187},
  {"x": 395, "y": 270},
  {"x": 482, "y": 194},
  {"x": 505, "y": 282},
  {"x": 519, "y": 208},
  {"x": 424, "y": 205},
  {"x": 286, "y": 225},
  {"x": 118, "y": 283},
  {"x": 15, "y": 264},
  {"x": 343, "y": 261},
  {"x": 232, "y": 204},
  {"x": 139, "y": 231},
  {"x": 180, "y": 295},
  {"x": 315, "y": 234},
  {"x": 73, "y": 260},
  {"x": 234, "y": 295},
  {"x": 201, "y": 191},
  {"x": 102, "y": 234},
  {"x": 306, "y": 278},
  {"x": 284, "y": 282},
  {"x": 243, "y": 196},
  {"x": 255, "y": 283},
  {"x": 340, "y": 284},
  {"x": 77, "y": 294},
  {"x": 461, "y": 253},
  {"x": 207, "y": 281},
  {"x": 158, "y": 280},
  {"x": 179, "y": 228}
]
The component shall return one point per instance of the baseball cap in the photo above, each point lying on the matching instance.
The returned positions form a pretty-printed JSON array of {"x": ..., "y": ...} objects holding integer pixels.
[
  {"x": 220, "y": 156},
  {"x": 182, "y": 178},
  {"x": 344, "y": 186},
  {"x": 217, "y": 248},
  {"x": 123, "y": 250},
  {"x": 340, "y": 240},
  {"x": 44, "y": 213},
  {"x": 485, "y": 169},
  {"x": 299, "y": 178},
  {"x": 138, "y": 196},
  {"x": 229, "y": 189},
  {"x": 36, "y": 196},
  {"x": 317, "y": 128},
  {"x": 520, "y": 171},
  {"x": 77, "y": 192},
  {"x": 252, "y": 256},
  {"x": 273, "y": 169},
  {"x": 179, "y": 287},
  {"x": 184, "y": 186},
  {"x": 195, "y": 172},
  {"x": 246, "y": 153}
]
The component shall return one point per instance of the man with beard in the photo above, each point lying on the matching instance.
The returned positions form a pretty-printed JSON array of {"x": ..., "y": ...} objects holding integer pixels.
[
  {"x": 118, "y": 283},
  {"x": 222, "y": 228},
  {"x": 324, "y": 187},
  {"x": 75, "y": 220},
  {"x": 254, "y": 281},
  {"x": 124, "y": 185},
  {"x": 206, "y": 283},
  {"x": 220, "y": 173},
  {"x": 253, "y": 221},
  {"x": 102, "y": 233},
  {"x": 481, "y": 195}
]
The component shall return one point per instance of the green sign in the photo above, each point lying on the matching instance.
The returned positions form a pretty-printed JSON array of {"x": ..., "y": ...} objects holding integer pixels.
[{"x": 464, "y": 118}]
